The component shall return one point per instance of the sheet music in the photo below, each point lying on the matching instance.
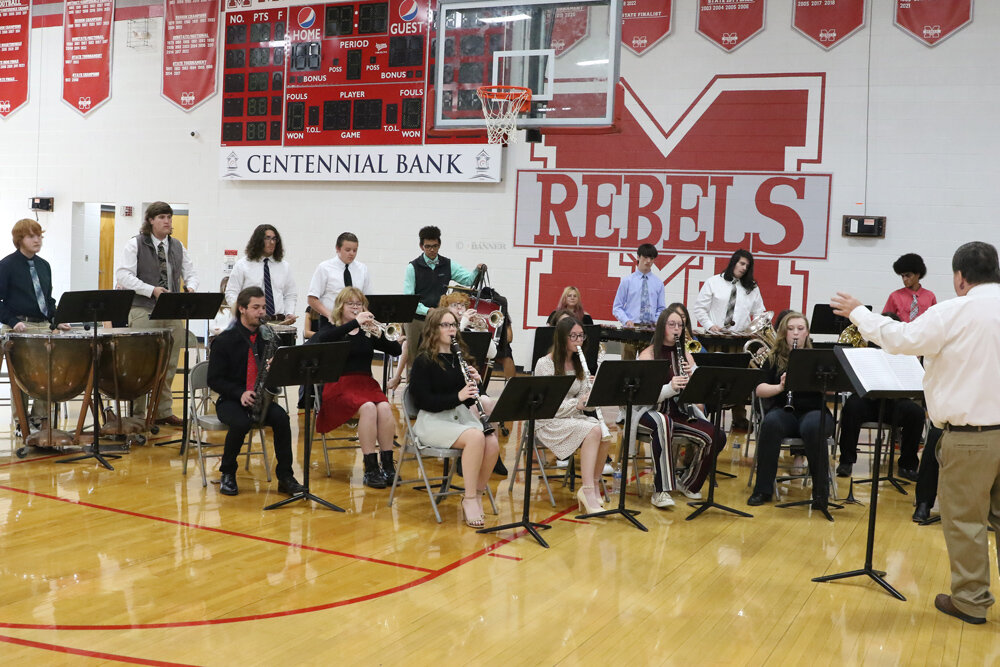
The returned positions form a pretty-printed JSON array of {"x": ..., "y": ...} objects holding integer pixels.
[{"x": 880, "y": 371}]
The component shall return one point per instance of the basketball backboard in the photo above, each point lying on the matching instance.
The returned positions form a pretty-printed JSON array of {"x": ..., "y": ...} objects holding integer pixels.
[{"x": 565, "y": 51}]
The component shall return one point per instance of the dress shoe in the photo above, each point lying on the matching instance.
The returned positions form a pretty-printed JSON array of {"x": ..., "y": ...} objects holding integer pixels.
[
  {"x": 171, "y": 420},
  {"x": 227, "y": 485},
  {"x": 662, "y": 499},
  {"x": 944, "y": 603},
  {"x": 388, "y": 466},
  {"x": 290, "y": 486},
  {"x": 373, "y": 472},
  {"x": 907, "y": 473},
  {"x": 845, "y": 469},
  {"x": 758, "y": 499},
  {"x": 584, "y": 503},
  {"x": 922, "y": 512}
]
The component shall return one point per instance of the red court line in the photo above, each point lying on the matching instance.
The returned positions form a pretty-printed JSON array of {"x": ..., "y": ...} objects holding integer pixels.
[
  {"x": 221, "y": 531},
  {"x": 90, "y": 654},
  {"x": 293, "y": 612},
  {"x": 36, "y": 458},
  {"x": 574, "y": 521},
  {"x": 505, "y": 556}
]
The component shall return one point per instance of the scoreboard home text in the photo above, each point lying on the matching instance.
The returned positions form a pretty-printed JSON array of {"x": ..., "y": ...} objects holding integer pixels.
[{"x": 337, "y": 74}]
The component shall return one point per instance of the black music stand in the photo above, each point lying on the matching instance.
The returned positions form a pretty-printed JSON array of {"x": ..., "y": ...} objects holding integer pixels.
[
  {"x": 722, "y": 359},
  {"x": 591, "y": 346},
  {"x": 851, "y": 362},
  {"x": 93, "y": 306},
  {"x": 478, "y": 343},
  {"x": 185, "y": 306},
  {"x": 399, "y": 308},
  {"x": 816, "y": 370},
  {"x": 717, "y": 387},
  {"x": 306, "y": 365},
  {"x": 640, "y": 383},
  {"x": 529, "y": 398}
]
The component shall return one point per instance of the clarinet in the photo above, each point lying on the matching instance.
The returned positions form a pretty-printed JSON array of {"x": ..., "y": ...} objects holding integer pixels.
[
  {"x": 788, "y": 395},
  {"x": 686, "y": 408},
  {"x": 483, "y": 419},
  {"x": 263, "y": 397},
  {"x": 605, "y": 433}
]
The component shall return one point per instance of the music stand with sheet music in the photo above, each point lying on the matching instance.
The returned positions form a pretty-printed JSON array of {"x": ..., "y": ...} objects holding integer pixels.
[
  {"x": 185, "y": 306},
  {"x": 529, "y": 398},
  {"x": 392, "y": 308},
  {"x": 639, "y": 383},
  {"x": 825, "y": 321},
  {"x": 816, "y": 371},
  {"x": 306, "y": 365},
  {"x": 877, "y": 375},
  {"x": 93, "y": 306},
  {"x": 718, "y": 387}
]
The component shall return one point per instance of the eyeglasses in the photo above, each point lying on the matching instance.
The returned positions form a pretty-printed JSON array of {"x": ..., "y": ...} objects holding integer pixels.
[
  {"x": 431, "y": 246},
  {"x": 674, "y": 325},
  {"x": 353, "y": 304},
  {"x": 578, "y": 336},
  {"x": 448, "y": 325}
]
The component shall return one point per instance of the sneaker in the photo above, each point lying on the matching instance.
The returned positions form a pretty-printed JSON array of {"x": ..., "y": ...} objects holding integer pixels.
[
  {"x": 562, "y": 463},
  {"x": 608, "y": 470},
  {"x": 693, "y": 495},
  {"x": 799, "y": 465},
  {"x": 662, "y": 499}
]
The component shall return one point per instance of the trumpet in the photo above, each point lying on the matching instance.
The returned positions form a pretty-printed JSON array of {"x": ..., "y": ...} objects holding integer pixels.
[
  {"x": 374, "y": 328},
  {"x": 605, "y": 433},
  {"x": 789, "y": 407}
]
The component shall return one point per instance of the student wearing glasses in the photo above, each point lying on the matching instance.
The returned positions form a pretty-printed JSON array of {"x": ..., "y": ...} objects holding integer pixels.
[{"x": 264, "y": 266}]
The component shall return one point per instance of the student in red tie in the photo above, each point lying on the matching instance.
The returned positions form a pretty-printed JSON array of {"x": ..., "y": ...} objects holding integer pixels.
[{"x": 911, "y": 299}]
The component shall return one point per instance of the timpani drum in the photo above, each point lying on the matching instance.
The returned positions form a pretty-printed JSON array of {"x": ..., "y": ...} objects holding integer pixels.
[
  {"x": 52, "y": 367},
  {"x": 133, "y": 363},
  {"x": 287, "y": 334}
]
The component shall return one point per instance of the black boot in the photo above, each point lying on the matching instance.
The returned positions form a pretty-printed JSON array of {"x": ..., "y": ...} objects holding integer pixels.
[
  {"x": 388, "y": 467},
  {"x": 373, "y": 473}
]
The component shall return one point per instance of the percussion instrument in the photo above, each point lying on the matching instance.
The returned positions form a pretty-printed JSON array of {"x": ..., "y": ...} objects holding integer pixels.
[
  {"x": 287, "y": 334},
  {"x": 723, "y": 341},
  {"x": 641, "y": 335},
  {"x": 52, "y": 367},
  {"x": 132, "y": 364}
]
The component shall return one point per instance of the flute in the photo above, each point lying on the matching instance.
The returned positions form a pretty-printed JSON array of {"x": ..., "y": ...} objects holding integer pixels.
[
  {"x": 605, "y": 433},
  {"x": 483, "y": 419}
]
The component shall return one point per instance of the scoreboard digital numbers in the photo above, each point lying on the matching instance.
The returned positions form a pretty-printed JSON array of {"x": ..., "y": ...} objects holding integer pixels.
[{"x": 326, "y": 75}]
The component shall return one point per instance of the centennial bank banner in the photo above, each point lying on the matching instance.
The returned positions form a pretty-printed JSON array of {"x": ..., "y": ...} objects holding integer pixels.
[
  {"x": 15, "y": 28},
  {"x": 442, "y": 163},
  {"x": 713, "y": 213}
]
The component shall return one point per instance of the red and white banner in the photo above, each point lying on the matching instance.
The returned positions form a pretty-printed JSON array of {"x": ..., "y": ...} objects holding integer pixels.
[
  {"x": 87, "y": 53},
  {"x": 190, "y": 39},
  {"x": 572, "y": 24},
  {"x": 932, "y": 21},
  {"x": 828, "y": 22},
  {"x": 730, "y": 23},
  {"x": 644, "y": 23},
  {"x": 15, "y": 29}
]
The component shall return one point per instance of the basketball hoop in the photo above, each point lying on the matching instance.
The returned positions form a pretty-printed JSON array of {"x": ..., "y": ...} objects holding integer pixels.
[{"x": 501, "y": 105}]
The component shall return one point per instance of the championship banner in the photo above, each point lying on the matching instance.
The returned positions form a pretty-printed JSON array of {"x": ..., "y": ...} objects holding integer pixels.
[
  {"x": 829, "y": 22},
  {"x": 571, "y": 25},
  {"x": 645, "y": 23},
  {"x": 190, "y": 40},
  {"x": 87, "y": 53},
  {"x": 730, "y": 23},
  {"x": 932, "y": 21},
  {"x": 15, "y": 29}
]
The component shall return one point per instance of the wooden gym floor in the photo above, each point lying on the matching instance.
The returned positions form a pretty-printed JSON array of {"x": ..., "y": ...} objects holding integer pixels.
[{"x": 141, "y": 565}]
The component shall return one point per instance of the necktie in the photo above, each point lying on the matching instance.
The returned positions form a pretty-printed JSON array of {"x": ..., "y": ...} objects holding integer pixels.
[
  {"x": 731, "y": 307},
  {"x": 645, "y": 312},
  {"x": 251, "y": 364},
  {"x": 268, "y": 292},
  {"x": 347, "y": 276},
  {"x": 162, "y": 256},
  {"x": 39, "y": 295},
  {"x": 914, "y": 310}
]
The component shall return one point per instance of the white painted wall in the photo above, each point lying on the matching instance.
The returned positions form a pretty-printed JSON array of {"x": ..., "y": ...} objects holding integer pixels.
[{"x": 909, "y": 133}]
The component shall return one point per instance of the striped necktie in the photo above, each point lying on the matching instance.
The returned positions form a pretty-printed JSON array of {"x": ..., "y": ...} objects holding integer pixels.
[
  {"x": 161, "y": 255},
  {"x": 914, "y": 308},
  {"x": 268, "y": 291},
  {"x": 731, "y": 308}
]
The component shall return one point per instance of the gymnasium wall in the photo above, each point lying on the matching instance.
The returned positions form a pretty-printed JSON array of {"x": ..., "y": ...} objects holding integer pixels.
[{"x": 902, "y": 130}]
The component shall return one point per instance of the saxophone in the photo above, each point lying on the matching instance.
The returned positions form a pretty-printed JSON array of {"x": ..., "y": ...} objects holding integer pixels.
[
  {"x": 681, "y": 369},
  {"x": 263, "y": 395}
]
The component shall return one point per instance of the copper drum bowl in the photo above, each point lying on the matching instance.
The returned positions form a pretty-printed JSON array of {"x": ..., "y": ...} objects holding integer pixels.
[{"x": 132, "y": 364}]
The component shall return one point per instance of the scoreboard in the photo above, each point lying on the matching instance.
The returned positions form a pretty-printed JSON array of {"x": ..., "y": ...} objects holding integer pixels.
[{"x": 333, "y": 74}]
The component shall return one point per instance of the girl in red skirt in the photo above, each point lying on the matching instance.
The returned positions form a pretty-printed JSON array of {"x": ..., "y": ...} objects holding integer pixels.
[{"x": 357, "y": 392}]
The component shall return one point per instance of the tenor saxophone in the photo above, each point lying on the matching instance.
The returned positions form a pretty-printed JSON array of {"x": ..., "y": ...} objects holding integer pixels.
[{"x": 263, "y": 397}]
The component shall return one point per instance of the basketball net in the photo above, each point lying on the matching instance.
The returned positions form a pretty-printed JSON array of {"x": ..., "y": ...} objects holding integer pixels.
[{"x": 501, "y": 105}]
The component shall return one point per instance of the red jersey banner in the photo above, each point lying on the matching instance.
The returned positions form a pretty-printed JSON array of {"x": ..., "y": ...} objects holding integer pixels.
[
  {"x": 729, "y": 23},
  {"x": 828, "y": 22},
  {"x": 571, "y": 25},
  {"x": 932, "y": 21},
  {"x": 644, "y": 23},
  {"x": 15, "y": 27},
  {"x": 87, "y": 53},
  {"x": 190, "y": 37}
]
